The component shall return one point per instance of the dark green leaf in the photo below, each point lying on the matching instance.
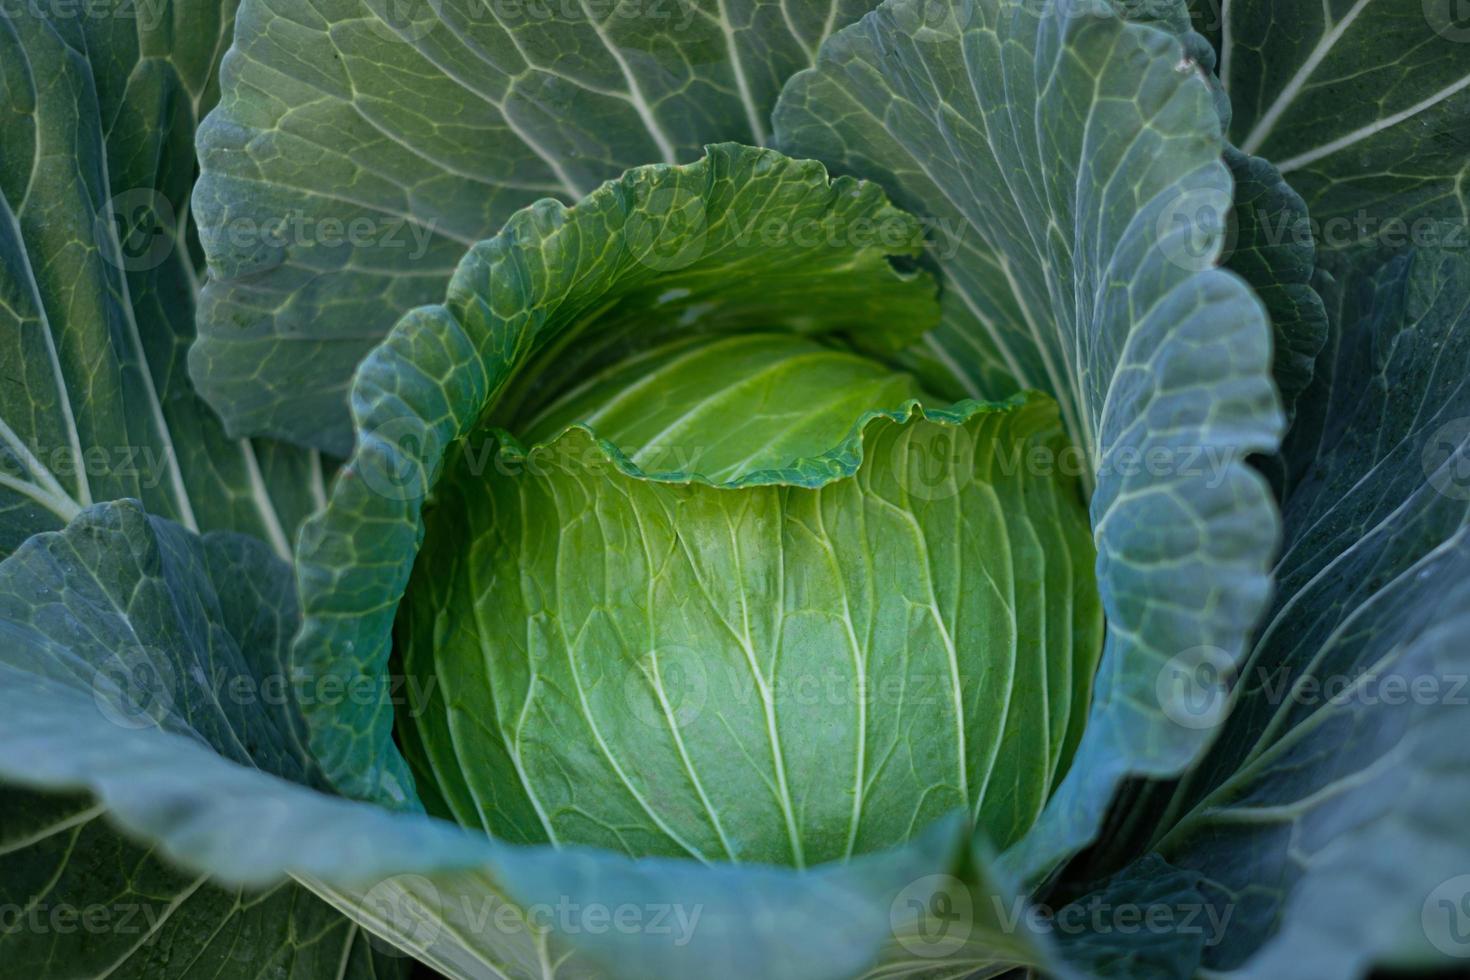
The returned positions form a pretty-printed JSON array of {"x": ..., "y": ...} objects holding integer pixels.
[
  {"x": 97, "y": 279},
  {"x": 1327, "y": 816},
  {"x": 361, "y": 147},
  {"x": 1363, "y": 107}
]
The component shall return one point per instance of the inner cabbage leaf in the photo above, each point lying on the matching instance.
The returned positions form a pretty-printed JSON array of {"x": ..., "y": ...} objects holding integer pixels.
[{"x": 815, "y": 665}]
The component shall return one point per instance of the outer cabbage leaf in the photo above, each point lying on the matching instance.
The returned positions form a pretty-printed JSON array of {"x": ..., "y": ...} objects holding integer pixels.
[
  {"x": 121, "y": 628},
  {"x": 1361, "y": 104},
  {"x": 97, "y": 284},
  {"x": 81, "y": 899},
  {"x": 424, "y": 126},
  {"x": 1328, "y": 814},
  {"x": 137, "y": 666},
  {"x": 1271, "y": 247},
  {"x": 1064, "y": 143},
  {"x": 565, "y": 287},
  {"x": 819, "y": 665},
  {"x": 1153, "y": 891},
  {"x": 1268, "y": 233},
  {"x": 97, "y": 280}
]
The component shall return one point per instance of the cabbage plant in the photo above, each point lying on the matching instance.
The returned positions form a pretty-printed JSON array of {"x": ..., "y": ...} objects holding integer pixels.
[{"x": 669, "y": 488}]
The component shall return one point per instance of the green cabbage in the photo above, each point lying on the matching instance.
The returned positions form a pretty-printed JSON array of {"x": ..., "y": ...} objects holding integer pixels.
[{"x": 1006, "y": 510}]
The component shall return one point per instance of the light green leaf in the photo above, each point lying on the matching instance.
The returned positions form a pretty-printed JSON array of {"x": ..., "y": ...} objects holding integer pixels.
[
  {"x": 1055, "y": 146},
  {"x": 97, "y": 280},
  {"x": 721, "y": 410},
  {"x": 817, "y": 665},
  {"x": 1362, "y": 105},
  {"x": 1327, "y": 816},
  {"x": 361, "y": 147}
]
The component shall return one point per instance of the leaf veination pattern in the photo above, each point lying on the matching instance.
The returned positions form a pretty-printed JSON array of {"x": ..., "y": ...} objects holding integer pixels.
[
  {"x": 159, "y": 922},
  {"x": 723, "y": 409},
  {"x": 97, "y": 285},
  {"x": 190, "y": 771},
  {"x": 197, "y": 615}
]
